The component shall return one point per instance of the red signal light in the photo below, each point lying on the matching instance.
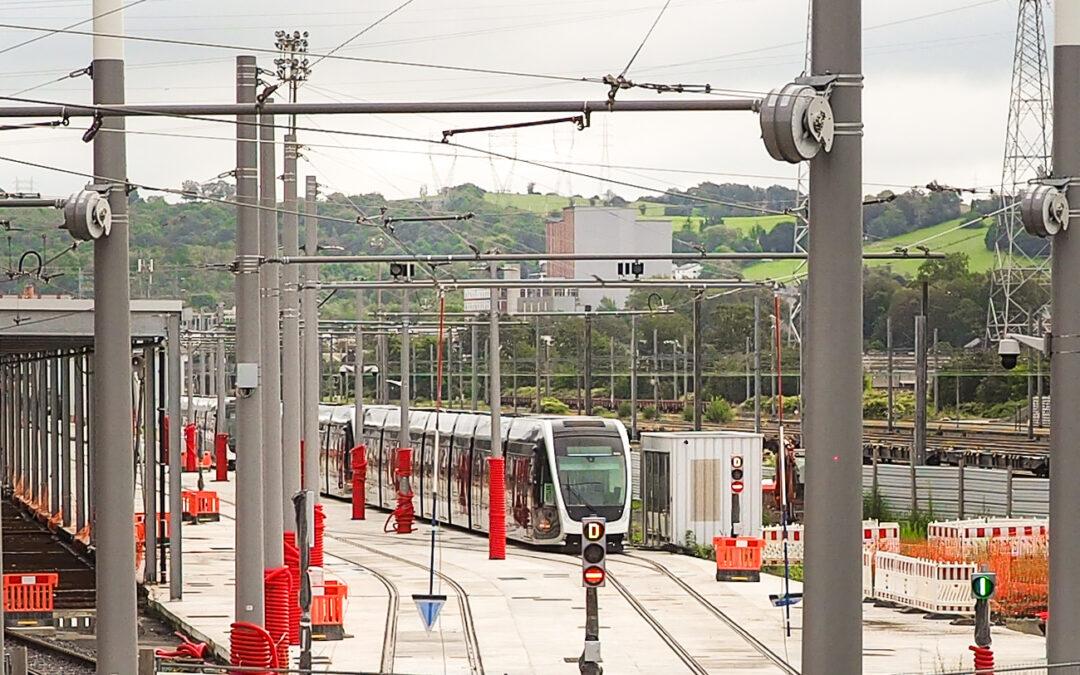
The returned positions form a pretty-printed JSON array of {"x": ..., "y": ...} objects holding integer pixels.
[{"x": 594, "y": 576}]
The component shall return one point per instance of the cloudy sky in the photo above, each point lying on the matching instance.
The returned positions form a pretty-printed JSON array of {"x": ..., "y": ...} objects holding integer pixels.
[{"x": 937, "y": 79}]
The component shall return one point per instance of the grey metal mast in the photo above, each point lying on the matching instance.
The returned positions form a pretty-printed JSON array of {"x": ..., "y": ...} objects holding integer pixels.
[
  {"x": 312, "y": 365},
  {"x": 249, "y": 494},
  {"x": 221, "y": 372},
  {"x": 832, "y": 618},
  {"x": 495, "y": 394},
  {"x": 270, "y": 350},
  {"x": 114, "y": 473},
  {"x": 292, "y": 415},
  {"x": 176, "y": 507},
  {"x": 1062, "y": 645},
  {"x": 358, "y": 370}
]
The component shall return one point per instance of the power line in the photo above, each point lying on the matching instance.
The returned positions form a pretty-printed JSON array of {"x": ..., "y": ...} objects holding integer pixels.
[
  {"x": 370, "y": 26},
  {"x": 645, "y": 39},
  {"x": 51, "y": 32},
  {"x": 261, "y": 50}
]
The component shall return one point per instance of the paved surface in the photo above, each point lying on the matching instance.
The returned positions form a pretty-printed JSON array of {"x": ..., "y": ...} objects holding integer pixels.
[{"x": 661, "y": 613}]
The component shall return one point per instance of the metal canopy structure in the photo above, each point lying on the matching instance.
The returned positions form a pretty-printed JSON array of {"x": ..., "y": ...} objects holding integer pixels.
[{"x": 49, "y": 324}]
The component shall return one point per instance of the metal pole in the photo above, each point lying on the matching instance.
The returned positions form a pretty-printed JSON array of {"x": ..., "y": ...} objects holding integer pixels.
[
  {"x": 222, "y": 375},
  {"x": 592, "y": 632},
  {"x": 431, "y": 373},
  {"x": 536, "y": 364},
  {"x": 611, "y": 370},
  {"x": 358, "y": 377},
  {"x": 757, "y": 365},
  {"x": 290, "y": 343},
  {"x": 150, "y": 486},
  {"x": 1039, "y": 387},
  {"x": 270, "y": 351},
  {"x": 475, "y": 361},
  {"x": 176, "y": 508},
  {"x": 937, "y": 368},
  {"x": 1062, "y": 643},
  {"x": 55, "y": 434},
  {"x": 304, "y": 503},
  {"x": 919, "y": 449},
  {"x": 832, "y": 615},
  {"x": 633, "y": 376},
  {"x": 249, "y": 494},
  {"x": 497, "y": 522},
  {"x": 80, "y": 441},
  {"x": 312, "y": 365},
  {"x": 114, "y": 473},
  {"x": 587, "y": 346},
  {"x": 405, "y": 351},
  {"x": 699, "y": 401},
  {"x": 889, "y": 371},
  {"x": 656, "y": 372}
]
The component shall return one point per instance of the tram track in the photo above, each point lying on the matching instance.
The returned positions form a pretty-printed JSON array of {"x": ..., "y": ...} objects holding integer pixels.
[
  {"x": 472, "y": 642},
  {"x": 57, "y": 658}
]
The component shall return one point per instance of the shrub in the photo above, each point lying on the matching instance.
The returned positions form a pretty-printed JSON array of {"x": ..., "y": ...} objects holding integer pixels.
[
  {"x": 649, "y": 412},
  {"x": 719, "y": 411},
  {"x": 553, "y": 406},
  {"x": 688, "y": 413},
  {"x": 624, "y": 409}
]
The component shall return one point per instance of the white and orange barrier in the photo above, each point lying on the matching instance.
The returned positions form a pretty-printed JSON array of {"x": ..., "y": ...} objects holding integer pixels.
[
  {"x": 876, "y": 537},
  {"x": 932, "y": 586},
  {"x": 966, "y": 538}
]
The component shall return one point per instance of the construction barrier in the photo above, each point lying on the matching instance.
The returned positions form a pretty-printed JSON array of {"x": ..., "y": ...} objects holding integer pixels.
[
  {"x": 929, "y": 585},
  {"x": 200, "y": 506},
  {"x": 28, "y": 599},
  {"x": 867, "y": 574},
  {"x": 164, "y": 530},
  {"x": 970, "y": 537},
  {"x": 773, "y": 553},
  {"x": 876, "y": 537},
  {"x": 328, "y": 610},
  {"x": 738, "y": 558}
]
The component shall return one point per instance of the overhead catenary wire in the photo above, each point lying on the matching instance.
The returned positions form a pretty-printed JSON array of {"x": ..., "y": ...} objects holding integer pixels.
[{"x": 367, "y": 28}]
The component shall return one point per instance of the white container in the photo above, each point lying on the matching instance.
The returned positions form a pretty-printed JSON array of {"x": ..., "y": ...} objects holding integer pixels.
[{"x": 701, "y": 479}]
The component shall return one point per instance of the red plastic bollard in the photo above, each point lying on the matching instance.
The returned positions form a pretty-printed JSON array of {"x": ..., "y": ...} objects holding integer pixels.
[
  {"x": 221, "y": 457},
  {"x": 403, "y": 513},
  {"x": 359, "y": 478},
  {"x": 190, "y": 459},
  {"x": 497, "y": 501},
  {"x": 984, "y": 660}
]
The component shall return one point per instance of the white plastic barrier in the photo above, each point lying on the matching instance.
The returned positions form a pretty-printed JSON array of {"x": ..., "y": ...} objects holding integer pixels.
[
  {"x": 876, "y": 537},
  {"x": 867, "y": 573},
  {"x": 1026, "y": 535},
  {"x": 935, "y": 587},
  {"x": 773, "y": 554}
]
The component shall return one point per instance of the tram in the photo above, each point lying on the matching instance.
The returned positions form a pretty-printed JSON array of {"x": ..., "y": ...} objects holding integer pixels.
[{"x": 558, "y": 469}]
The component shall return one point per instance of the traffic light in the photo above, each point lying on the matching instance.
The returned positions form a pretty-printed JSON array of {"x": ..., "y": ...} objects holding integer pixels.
[
  {"x": 593, "y": 552},
  {"x": 628, "y": 268},
  {"x": 983, "y": 585},
  {"x": 399, "y": 270}
]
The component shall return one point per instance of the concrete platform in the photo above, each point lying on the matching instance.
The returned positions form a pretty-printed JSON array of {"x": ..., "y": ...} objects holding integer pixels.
[{"x": 661, "y": 613}]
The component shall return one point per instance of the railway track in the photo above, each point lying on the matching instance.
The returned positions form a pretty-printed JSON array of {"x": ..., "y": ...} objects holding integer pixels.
[
  {"x": 46, "y": 657},
  {"x": 472, "y": 642}
]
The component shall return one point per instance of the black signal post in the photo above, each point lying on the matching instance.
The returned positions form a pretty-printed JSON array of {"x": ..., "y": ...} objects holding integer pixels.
[{"x": 593, "y": 576}]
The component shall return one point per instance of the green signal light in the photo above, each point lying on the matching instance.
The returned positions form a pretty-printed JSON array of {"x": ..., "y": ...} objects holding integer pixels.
[{"x": 983, "y": 585}]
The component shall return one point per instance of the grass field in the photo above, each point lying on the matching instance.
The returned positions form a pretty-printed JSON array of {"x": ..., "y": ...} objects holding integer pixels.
[
  {"x": 747, "y": 223},
  {"x": 941, "y": 238}
]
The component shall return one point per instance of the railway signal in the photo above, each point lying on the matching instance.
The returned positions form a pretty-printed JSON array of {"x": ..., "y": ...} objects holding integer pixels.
[
  {"x": 593, "y": 552},
  {"x": 983, "y": 585},
  {"x": 593, "y": 576}
]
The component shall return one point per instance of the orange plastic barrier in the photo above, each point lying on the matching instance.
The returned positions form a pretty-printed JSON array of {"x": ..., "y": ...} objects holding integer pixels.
[
  {"x": 28, "y": 598},
  {"x": 328, "y": 610},
  {"x": 738, "y": 558},
  {"x": 200, "y": 505},
  {"x": 164, "y": 527}
]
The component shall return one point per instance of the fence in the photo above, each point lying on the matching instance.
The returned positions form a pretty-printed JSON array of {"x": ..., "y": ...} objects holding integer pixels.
[{"x": 959, "y": 492}]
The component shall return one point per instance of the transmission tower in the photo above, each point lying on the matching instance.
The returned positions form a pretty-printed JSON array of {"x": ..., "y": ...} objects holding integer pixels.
[
  {"x": 801, "y": 225},
  {"x": 1019, "y": 292}
]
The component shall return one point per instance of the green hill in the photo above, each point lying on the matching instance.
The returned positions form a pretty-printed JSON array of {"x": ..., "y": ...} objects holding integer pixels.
[{"x": 943, "y": 238}]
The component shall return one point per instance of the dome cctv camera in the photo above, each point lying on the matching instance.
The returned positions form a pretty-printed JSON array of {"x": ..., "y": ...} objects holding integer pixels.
[{"x": 1009, "y": 351}]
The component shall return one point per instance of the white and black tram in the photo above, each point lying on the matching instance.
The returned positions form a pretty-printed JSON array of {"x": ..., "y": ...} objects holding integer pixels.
[{"x": 558, "y": 469}]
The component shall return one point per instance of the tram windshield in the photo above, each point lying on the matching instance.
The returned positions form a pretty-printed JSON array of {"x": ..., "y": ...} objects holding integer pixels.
[{"x": 592, "y": 470}]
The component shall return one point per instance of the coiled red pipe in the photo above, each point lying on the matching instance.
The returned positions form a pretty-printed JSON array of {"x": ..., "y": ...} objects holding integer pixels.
[
  {"x": 320, "y": 527},
  {"x": 292, "y": 562},
  {"x": 984, "y": 660},
  {"x": 497, "y": 501},
  {"x": 251, "y": 646},
  {"x": 277, "y": 584}
]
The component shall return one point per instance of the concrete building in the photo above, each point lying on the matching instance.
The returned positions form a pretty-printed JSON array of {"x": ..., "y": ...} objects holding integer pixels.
[
  {"x": 479, "y": 299},
  {"x": 603, "y": 229}
]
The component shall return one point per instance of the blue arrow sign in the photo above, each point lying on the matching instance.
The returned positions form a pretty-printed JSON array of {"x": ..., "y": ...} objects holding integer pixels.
[
  {"x": 785, "y": 600},
  {"x": 429, "y": 607}
]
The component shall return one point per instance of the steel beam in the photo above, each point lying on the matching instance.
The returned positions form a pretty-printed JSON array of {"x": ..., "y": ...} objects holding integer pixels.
[{"x": 449, "y": 258}]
